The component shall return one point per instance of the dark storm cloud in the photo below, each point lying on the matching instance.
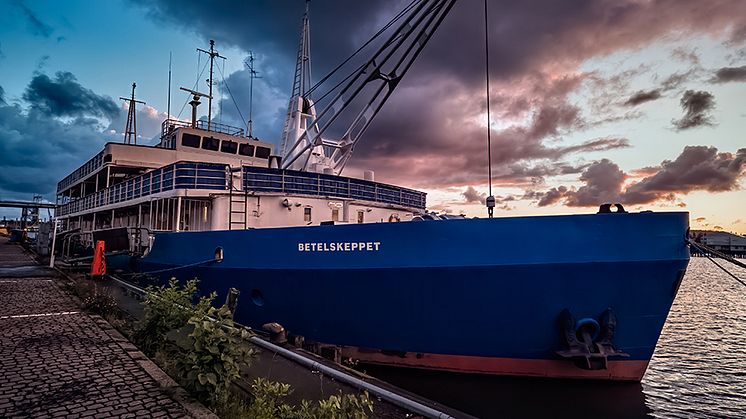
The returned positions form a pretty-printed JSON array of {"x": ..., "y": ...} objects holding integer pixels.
[
  {"x": 471, "y": 195},
  {"x": 2, "y": 95},
  {"x": 728, "y": 74},
  {"x": 50, "y": 133},
  {"x": 64, "y": 96},
  {"x": 642, "y": 97},
  {"x": 36, "y": 26},
  {"x": 428, "y": 133},
  {"x": 697, "y": 106},
  {"x": 697, "y": 168}
]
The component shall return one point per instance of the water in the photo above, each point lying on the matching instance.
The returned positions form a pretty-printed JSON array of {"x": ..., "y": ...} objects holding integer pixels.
[{"x": 698, "y": 370}]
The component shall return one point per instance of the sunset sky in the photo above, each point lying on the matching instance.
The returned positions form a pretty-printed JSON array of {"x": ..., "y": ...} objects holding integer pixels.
[{"x": 641, "y": 102}]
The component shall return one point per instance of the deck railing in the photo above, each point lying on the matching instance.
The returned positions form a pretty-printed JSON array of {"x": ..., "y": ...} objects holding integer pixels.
[
  {"x": 181, "y": 175},
  {"x": 261, "y": 179},
  {"x": 192, "y": 175},
  {"x": 81, "y": 172}
]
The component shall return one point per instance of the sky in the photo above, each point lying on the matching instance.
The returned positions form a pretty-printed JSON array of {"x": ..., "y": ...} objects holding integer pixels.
[{"x": 633, "y": 101}]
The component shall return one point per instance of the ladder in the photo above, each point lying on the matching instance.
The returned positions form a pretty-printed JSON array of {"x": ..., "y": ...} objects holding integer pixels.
[{"x": 238, "y": 206}]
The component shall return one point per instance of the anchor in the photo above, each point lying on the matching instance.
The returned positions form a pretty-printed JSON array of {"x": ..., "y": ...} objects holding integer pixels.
[{"x": 589, "y": 342}]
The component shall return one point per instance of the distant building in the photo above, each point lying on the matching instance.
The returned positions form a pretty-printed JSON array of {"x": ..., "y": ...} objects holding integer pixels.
[{"x": 722, "y": 241}]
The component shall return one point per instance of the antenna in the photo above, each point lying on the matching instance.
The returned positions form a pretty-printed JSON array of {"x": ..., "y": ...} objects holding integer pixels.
[
  {"x": 490, "y": 201},
  {"x": 130, "y": 130},
  {"x": 252, "y": 75},
  {"x": 213, "y": 54},
  {"x": 195, "y": 102},
  {"x": 168, "y": 112}
]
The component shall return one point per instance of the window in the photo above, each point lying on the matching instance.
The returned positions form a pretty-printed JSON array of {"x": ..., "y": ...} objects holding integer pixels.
[
  {"x": 360, "y": 217},
  {"x": 210, "y": 143},
  {"x": 335, "y": 214},
  {"x": 229, "y": 146},
  {"x": 262, "y": 152},
  {"x": 307, "y": 214},
  {"x": 246, "y": 150},
  {"x": 190, "y": 140}
]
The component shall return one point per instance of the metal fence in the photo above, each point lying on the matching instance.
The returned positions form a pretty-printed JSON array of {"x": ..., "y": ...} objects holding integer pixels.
[
  {"x": 182, "y": 175},
  {"x": 191, "y": 175},
  {"x": 86, "y": 169},
  {"x": 261, "y": 179}
]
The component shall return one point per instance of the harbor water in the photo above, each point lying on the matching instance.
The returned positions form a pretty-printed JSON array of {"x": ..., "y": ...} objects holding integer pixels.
[{"x": 698, "y": 370}]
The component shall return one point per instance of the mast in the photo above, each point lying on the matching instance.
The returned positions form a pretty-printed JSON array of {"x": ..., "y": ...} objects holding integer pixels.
[
  {"x": 168, "y": 111},
  {"x": 213, "y": 54},
  {"x": 301, "y": 83},
  {"x": 252, "y": 75},
  {"x": 130, "y": 130}
]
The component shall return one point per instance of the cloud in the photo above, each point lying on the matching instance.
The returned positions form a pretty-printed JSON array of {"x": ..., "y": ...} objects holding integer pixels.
[
  {"x": 57, "y": 126},
  {"x": 697, "y": 106},
  {"x": 149, "y": 122},
  {"x": 471, "y": 195},
  {"x": 697, "y": 168},
  {"x": 728, "y": 74},
  {"x": 642, "y": 97},
  {"x": 431, "y": 132},
  {"x": 36, "y": 26},
  {"x": 64, "y": 96},
  {"x": 700, "y": 219}
]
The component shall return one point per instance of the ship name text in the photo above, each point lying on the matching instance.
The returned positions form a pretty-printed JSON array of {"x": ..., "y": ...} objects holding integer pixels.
[{"x": 340, "y": 247}]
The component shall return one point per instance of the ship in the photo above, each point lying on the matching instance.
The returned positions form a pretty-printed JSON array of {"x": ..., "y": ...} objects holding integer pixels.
[{"x": 361, "y": 268}]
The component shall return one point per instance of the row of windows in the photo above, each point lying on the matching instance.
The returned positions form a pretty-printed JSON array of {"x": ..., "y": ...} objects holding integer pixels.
[
  {"x": 335, "y": 215},
  {"x": 225, "y": 146}
]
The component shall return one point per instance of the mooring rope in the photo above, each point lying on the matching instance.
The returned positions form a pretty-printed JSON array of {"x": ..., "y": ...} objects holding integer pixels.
[
  {"x": 706, "y": 251},
  {"x": 189, "y": 265}
]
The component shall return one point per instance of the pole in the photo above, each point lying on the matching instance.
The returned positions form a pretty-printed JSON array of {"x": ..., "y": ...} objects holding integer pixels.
[
  {"x": 168, "y": 111},
  {"x": 209, "y": 99},
  {"x": 490, "y": 201},
  {"x": 54, "y": 241}
]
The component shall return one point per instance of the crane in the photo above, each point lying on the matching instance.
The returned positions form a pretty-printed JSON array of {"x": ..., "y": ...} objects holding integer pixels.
[{"x": 308, "y": 142}]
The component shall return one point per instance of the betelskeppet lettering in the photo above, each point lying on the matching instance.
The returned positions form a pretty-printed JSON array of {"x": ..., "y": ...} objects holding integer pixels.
[{"x": 340, "y": 247}]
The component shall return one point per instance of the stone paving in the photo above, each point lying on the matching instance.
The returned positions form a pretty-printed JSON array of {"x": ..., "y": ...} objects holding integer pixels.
[{"x": 57, "y": 361}]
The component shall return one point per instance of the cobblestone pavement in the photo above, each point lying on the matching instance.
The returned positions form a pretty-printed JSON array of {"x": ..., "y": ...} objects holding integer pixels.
[{"x": 57, "y": 361}]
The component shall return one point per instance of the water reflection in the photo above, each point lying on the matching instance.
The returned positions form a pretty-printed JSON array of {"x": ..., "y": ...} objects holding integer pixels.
[{"x": 698, "y": 370}]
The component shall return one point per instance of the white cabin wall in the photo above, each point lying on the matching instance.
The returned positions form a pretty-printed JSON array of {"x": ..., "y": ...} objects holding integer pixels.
[{"x": 264, "y": 211}]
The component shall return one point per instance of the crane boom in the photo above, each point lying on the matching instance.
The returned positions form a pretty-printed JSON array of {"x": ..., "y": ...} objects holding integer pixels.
[{"x": 362, "y": 94}]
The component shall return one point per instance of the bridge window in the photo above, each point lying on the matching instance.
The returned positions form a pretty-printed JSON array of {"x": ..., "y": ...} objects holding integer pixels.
[
  {"x": 262, "y": 152},
  {"x": 190, "y": 140},
  {"x": 229, "y": 146},
  {"x": 210, "y": 143},
  {"x": 246, "y": 150}
]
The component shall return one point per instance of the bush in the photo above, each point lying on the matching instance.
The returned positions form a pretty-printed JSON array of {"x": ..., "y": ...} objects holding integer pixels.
[
  {"x": 167, "y": 308},
  {"x": 268, "y": 404},
  {"x": 216, "y": 355}
]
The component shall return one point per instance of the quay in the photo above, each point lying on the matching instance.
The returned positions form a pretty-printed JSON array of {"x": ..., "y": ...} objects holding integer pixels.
[{"x": 58, "y": 361}]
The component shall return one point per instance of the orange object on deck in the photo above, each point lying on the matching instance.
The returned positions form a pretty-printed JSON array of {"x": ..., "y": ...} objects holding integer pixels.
[{"x": 98, "y": 267}]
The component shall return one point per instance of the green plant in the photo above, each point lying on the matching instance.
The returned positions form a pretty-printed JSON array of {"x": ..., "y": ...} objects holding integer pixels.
[
  {"x": 167, "y": 308},
  {"x": 268, "y": 404},
  {"x": 216, "y": 355}
]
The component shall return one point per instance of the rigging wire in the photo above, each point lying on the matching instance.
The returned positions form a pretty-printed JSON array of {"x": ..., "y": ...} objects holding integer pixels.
[
  {"x": 228, "y": 89},
  {"x": 490, "y": 201},
  {"x": 196, "y": 83},
  {"x": 399, "y": 15}
]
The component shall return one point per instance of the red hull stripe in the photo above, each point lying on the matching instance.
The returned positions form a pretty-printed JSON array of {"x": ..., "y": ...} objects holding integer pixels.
[{"x": 618, "y": 370}]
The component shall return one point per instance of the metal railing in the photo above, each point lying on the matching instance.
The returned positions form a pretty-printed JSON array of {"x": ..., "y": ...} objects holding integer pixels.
[
  {"x": 259, "y": 179},
  {"x": 168, "y": 126},
  {"x": 81, "y": 172},
  {"x": 192, "y": 175},
  {"x": 181, "y": 175}
]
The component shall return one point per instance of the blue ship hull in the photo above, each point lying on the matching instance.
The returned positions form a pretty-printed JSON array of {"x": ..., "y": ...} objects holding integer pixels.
[{"x": 476, "y": 295}]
